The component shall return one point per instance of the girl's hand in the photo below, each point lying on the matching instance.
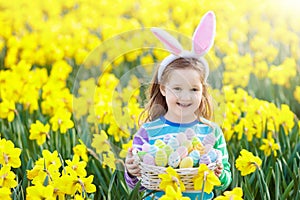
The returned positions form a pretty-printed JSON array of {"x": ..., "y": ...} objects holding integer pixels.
[
  {"x": 131, "y": 164},
  {"x": 219, "y": 169}
]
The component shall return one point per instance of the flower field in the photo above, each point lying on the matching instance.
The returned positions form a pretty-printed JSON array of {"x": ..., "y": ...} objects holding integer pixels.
[{"x": 73, "y": 76}]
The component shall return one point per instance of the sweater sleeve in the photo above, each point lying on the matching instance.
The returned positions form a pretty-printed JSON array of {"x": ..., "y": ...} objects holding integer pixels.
[
  {"x": 220, "y": 144},
  {"x": 139, "y": 139}
]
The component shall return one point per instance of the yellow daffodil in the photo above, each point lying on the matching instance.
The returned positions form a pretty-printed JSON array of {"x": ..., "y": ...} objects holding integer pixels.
[
  {"x": 125, "y": 147},
  {"x": 100, "y": 142},
  {"x": 269, "y": 146},
  {"x": 81, "y": 150},
  {"x": 61, "y": 120},
  {"x": 49, "y": 159},
  {"x": 171, "y": 178},
  {"x": 297, "y": 93},
  {"x": 5, "y": 193},
  {"x": 7, "y": 177},
  {"x": 39, "y": 132},
  {"x": 72, "y": 184},
  {"x": 235, "y": 194},
  {"x": 40, "y": 192},
  {"x": 109, "y": 160},
  {"x": 247, "y": 162},
  {"x": 7, "y": 110},
  {"x": 286, "y": 118},
  {"x": 9, "y": 155},
  {"x": 173, "y": 194},
  {"x": 77, "y": 166},
  {"x": 207, "y": 177}
]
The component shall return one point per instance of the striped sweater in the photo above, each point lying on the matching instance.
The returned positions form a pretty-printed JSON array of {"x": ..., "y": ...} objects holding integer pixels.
[{"x": 157, "y": 129}]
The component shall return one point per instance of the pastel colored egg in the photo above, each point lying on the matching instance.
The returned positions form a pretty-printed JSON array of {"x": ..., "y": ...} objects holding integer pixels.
[
  {"x": 212, "y": 155},
  {"x": 168, "y": 150},
  {"x": 173, "y": 142},
  {"x": 153, "y": 149},
  {"x": 148, "y": 159},
  {"x": 208, "y": 147},
  {"x": 209, "y": 139},
  {"x": 182, "y": 151},
  {"x": 160, "y": 144},
  {"x": 174, "y": 159},
  {"x": 205, "y": 159},
  {"x": 190, "y": 133},
  {"x": 195, "y": 155},
  {"x": 146, "y": 147},
  {"x": 167, "y": 138},
  {"x": 195, "y": 141},
  {"x": 187, "y": 162},
  {"x": 199, "y": 147},
  {"x": 181, "y": 137},
  {"x": 188, "y": 144},
  {"x": 141, "y": 154},
  {"x": 161, "y": 158}
]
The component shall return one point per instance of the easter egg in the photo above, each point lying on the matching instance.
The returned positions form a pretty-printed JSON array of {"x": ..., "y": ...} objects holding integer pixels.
[
  {"x": 205, "y": 159},
  {"x": 182, "y": 151},
  {"x": 199, "y": 147},
  {"x": 187, "y": 162},
  {"x": 167, "y": 138},
  {"x": 173, "y": 142},
  {"x": 141, "y": 154},
  {"x": 212, "y": 155},
  {"x": 195, "y": 141},
  {"x": 153, "y": 149},
  {"x": 161, "y": 158},
  {"x": 148, "y": 159},
  {"x": 195, "y": 155},
  {"x": 208, "y": 148},
  {"x": 168, "y": 150},
  {"x": 209, "y": 139},
  {"x": 188, "y": 144},
  {"x": 146, "y": 147},
  {"x": 174, "y": 159},
  {"x": 181, "y": 137},
  {"x": 190, "y": 133},
  {"x": 160, "y": 144}
]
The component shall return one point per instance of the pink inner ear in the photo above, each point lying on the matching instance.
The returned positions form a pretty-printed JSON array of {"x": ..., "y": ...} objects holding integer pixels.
[
  {"x": 203, "y": 37},
  {"x": 169, "y": 45}
]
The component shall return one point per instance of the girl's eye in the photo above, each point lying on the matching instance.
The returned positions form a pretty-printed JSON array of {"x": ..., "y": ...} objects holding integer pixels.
[
  {"x": 177, "y": 88},
  {"x": 195, "y": 89}
]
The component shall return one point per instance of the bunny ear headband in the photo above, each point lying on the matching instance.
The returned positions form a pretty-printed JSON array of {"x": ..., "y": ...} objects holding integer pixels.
[{"x": 203, "y": 40}]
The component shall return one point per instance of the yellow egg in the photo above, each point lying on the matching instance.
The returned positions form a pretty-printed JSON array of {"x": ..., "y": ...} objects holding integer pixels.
[
  {"x": 161, "y": 158},
  {"x": 187, "y": 162},
  {"x": 160, "y": 144},
  {"x": 200, "y": 148}
]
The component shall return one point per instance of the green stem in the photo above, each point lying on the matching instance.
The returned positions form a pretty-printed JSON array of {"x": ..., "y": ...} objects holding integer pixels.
[
  {"x": 264, "y": 183},
  {"x": 203, "y": 185}
]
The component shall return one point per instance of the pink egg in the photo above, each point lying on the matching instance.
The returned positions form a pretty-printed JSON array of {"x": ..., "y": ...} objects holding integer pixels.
[
  {"x": 209, "y": 140},
  {"x": 148, "y": 159},
  {"x": 204, "y": 159},
  {"x": 190, "y": 133},
  {"x": 146, "y": 147},
  {"x": 182, "y": 151},
  {"x": 167, "y": 138},
  {"x": 181, "y": 137}
]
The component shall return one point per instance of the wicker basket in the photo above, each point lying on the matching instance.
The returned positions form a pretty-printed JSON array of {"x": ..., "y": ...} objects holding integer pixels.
[{"x": 151, "y": 181}]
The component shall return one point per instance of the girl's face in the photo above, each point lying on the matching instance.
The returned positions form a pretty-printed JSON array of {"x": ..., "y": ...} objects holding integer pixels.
[{"x": 183, "y": 92}]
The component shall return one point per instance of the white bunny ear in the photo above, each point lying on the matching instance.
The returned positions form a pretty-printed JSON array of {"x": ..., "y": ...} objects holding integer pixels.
[
  {"x": 204, "y": 35},
  {"x": 168, "y": 40}
]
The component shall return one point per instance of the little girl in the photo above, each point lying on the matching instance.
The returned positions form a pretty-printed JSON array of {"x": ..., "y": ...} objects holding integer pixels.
[{"x": 179, "y": 100}]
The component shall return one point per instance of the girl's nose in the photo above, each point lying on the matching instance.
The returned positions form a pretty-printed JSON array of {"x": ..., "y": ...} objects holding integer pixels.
[{"x": 185, "y": 95}]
